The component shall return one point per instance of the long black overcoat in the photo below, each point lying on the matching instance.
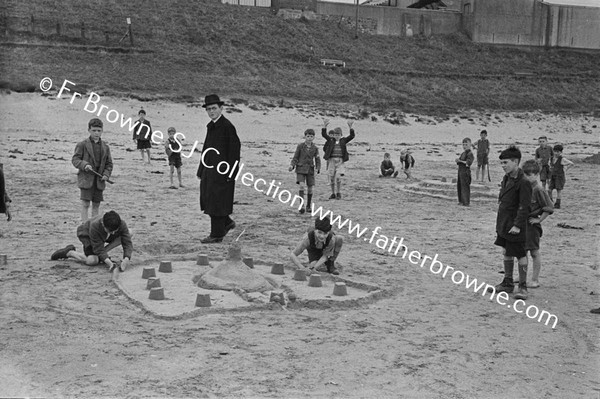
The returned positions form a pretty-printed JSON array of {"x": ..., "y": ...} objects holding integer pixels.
[
  {"x": 513, "y": 206},
  {"x": 217, "y": 189}
]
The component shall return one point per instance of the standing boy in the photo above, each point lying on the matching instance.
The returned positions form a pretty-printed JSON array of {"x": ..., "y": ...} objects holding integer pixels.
[
  {"x": 463, "y": 184},
  {"x": 173, "y": 150},
  {"x": 387, "y": 168},
  {"x": 543, "y": 155},
  {"x": 305, "y": 161},
  {"x": 336, "y": 154},
  {"x": 92, "y": 158},
  {"x": 511, "y": 223},
  {"x": 483, "y": 150},
  {"x": 93, "y": 234},
  {"x": 539, "y": 209},
  {"x": 323, "y": 248},
  {"x": 557, "y": 173},
  {"x": 143, "y": 134},
  {"x": 4, "y": 198}
]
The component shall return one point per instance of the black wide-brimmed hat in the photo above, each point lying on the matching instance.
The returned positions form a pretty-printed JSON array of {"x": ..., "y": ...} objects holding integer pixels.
[{"x": 212, "y": 99}]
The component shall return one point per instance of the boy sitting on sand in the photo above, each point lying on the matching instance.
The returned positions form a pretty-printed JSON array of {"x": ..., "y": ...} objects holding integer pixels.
[
  {"x": 93, "y": 234},
  {"x": 323, "y": 248},
  {"x": 540, "y": 208},
  {"x": 173, "y": 150},
  {"x": 387, "y": 168},
  {"x": 305, "y": 161},
  {"x": 336, "y": 155}
]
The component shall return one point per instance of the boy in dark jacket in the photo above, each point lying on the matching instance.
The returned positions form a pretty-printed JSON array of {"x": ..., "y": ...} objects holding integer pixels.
[
  {"x": 336, "y": 154},
  {"x": 511, "y": 223},
  {"x": 463, "y": 183},
  {"x": 305, "y": 161},
  {"x": 387, "y": 168}
]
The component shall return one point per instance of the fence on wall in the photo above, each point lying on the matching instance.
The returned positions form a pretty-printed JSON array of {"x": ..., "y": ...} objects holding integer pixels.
[{"x": 254, "y": 3}]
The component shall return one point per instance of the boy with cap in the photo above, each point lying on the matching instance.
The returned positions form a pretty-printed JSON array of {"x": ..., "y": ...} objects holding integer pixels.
[
  {"x": 323, "y": 248},
  {"x": 305, "y": 161},
  {"x": 511, "y": 223},
  {"x": 93, "y": 234},
  {"x": 92, "y": 158},
  {"x": 336, "y": 154},
  {"x": 143, "y": 134},
  {"x": 173, "y": 150},
  {"x": 387, "y": 168}
]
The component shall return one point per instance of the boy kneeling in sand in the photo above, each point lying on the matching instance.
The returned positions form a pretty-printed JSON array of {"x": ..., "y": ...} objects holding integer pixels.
[
  {"x": 93, "y": 234},
  {"x": 323, "y": 248}
]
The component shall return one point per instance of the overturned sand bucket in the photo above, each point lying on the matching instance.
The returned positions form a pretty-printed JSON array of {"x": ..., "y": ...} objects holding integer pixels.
[
  {"x": 202, "y": 260},
  {"x": 444, "y": 180},
  {"x": 277, "y": 268},
  {"x": 339, "y": 289},
  {"x": 203, "y": 300},
  {"x": 3, "y": 259},
  {"x": 300, "y": 275},
  {"x": 165, "y": 267},
  {"x": 277, "y": 297},
  {"x": 248, "y": 261},
  {"x": 148, "y": 272},
  {"x": 153, "y": 282},
  {"x": 157, "y": 293},
  {"x": 454, "y": 180},
  {"x": 315, "y": 280}
]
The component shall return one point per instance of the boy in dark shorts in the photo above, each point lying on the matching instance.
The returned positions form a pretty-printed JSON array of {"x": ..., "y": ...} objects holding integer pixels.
[
  {"x": 387, "y": 168},
  {"x": 305, "y": 161},
  {"x": 323, "y": 248},
  {"x": 539, "y": 209},
  {"x": 483, "y": 150},
  {"x": 557, "y": 173},
  {"x": 511, "y": 223},
  {"x": 142, "y": 135},
  {"x": 92, "y": 158},
  {"x": 407, "y": 162},
  {"x": 543, "y": 155},
  {"x": 173, "y": 150},
  {"x": 463, "y": 183},
  {"x": 93, "y": 234},
  {"x": 336, "y": 155}
]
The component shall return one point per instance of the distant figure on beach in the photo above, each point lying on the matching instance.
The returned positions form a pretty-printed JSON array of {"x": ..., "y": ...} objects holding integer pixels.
[
  {"x": 543, "y": 155},
  {"x": 216, "y": 189},
  {"x": 4, "y": 198},
  {"x": 94, "y": 234},
  {"x": 92, "y": 158},
  {"x": 483, "y": 150},
  {"x": 173, "y": 150},
  {"x": 407, "y": 163},
  {"x": 142, "y": 135},
  {"x": 558, "y": 167},
  {"x": 539, "y": 209},
  {"x": 306, "y": 160},
  {"x": 387, "y": 168},
  {"x": 336, "y": 155},
  {"x": 323, "y": 248},
  {"x": 463, "y": 183}
]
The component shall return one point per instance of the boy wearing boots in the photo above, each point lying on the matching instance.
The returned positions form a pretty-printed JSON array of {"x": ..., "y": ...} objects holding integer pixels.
[{"x": 305, "y": 161}]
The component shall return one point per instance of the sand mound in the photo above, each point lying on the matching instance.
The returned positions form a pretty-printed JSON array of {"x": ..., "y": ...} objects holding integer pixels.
[
  {"x": 595, "y": 159},
  {"x": 233, "y": 273}
]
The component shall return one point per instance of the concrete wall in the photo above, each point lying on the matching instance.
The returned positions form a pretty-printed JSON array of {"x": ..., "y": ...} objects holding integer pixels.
[
  {"x": 393, "y": 21},
  {"x": 570, "y": 26}
]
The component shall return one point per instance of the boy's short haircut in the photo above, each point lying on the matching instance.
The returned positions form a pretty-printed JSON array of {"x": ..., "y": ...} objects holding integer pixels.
[
  {"x": 309, "y": 132},
  {"x": 558, "y": 147},
  {"x": 95, "y": 122},
  {"x": 142, "y": 112},
  {"x": 111, "y": 220},
  {"x": 171, "y": 129},
  {"x": 387, "y": 154},
  {"x": 338, "y": 130},
  {"x": 483, "y": 132},
  {"x": 543, "y": 138},
  {"x": 511, "y": 152},
  {"x": 323, "y": 225},
  {"x": 466, "y": 140},
  {"x": 531, "y": 167}
]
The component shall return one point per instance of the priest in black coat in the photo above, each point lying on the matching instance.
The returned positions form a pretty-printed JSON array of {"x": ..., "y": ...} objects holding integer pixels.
[{"x": 217, "y": 170}]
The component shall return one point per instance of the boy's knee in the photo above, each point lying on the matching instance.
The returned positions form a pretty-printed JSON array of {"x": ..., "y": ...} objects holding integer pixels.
[
  {"x": 85, "y": 203},
  {"x": 92, "y": 260},
  {"x": 339, "y": 241}
]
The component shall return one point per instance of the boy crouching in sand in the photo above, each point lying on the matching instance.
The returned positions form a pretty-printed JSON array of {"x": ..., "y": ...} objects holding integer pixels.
[
  {"x": 540, "y": 208},
  {"x": 93, "y": 234},
  {"x": 511, "y": 223},
  {"x": 323, "y": 248},
  {"x": 407, "y": 162},
  {"x": 305, "y": 161}
]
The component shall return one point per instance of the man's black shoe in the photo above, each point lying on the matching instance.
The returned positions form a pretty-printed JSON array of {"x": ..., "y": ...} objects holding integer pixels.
[
  {"x": 230, "y": 226},
  {"x": 211, "y": 240}
]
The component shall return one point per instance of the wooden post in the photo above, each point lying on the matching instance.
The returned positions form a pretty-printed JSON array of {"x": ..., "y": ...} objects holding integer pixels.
[
  {"x": 356, "y": 25},
  {"x": 32, "y": 24},
  {"x": 83, "y": 30},
  {"x": 129, "y": 31}
]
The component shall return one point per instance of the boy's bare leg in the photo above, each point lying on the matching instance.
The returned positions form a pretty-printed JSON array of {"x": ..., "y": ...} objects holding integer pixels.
[
  {"x": 148, "y": 152},
  {"x": 171, "y": 174},
  {"x": 142, "y": 154},
  {"x": 91, "y": 260},
  {"x": 179, "y": 176},
  {"x": 309, "y": 194},
  {"x": 477, "y": 173},
  {"x": 558, "y": 192},
  {"x": 95, "y": 209},
  {"x": 85, "y": 206},
  {"x": 338, "y": 184},
  {"x": 536, "y": 256}
]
